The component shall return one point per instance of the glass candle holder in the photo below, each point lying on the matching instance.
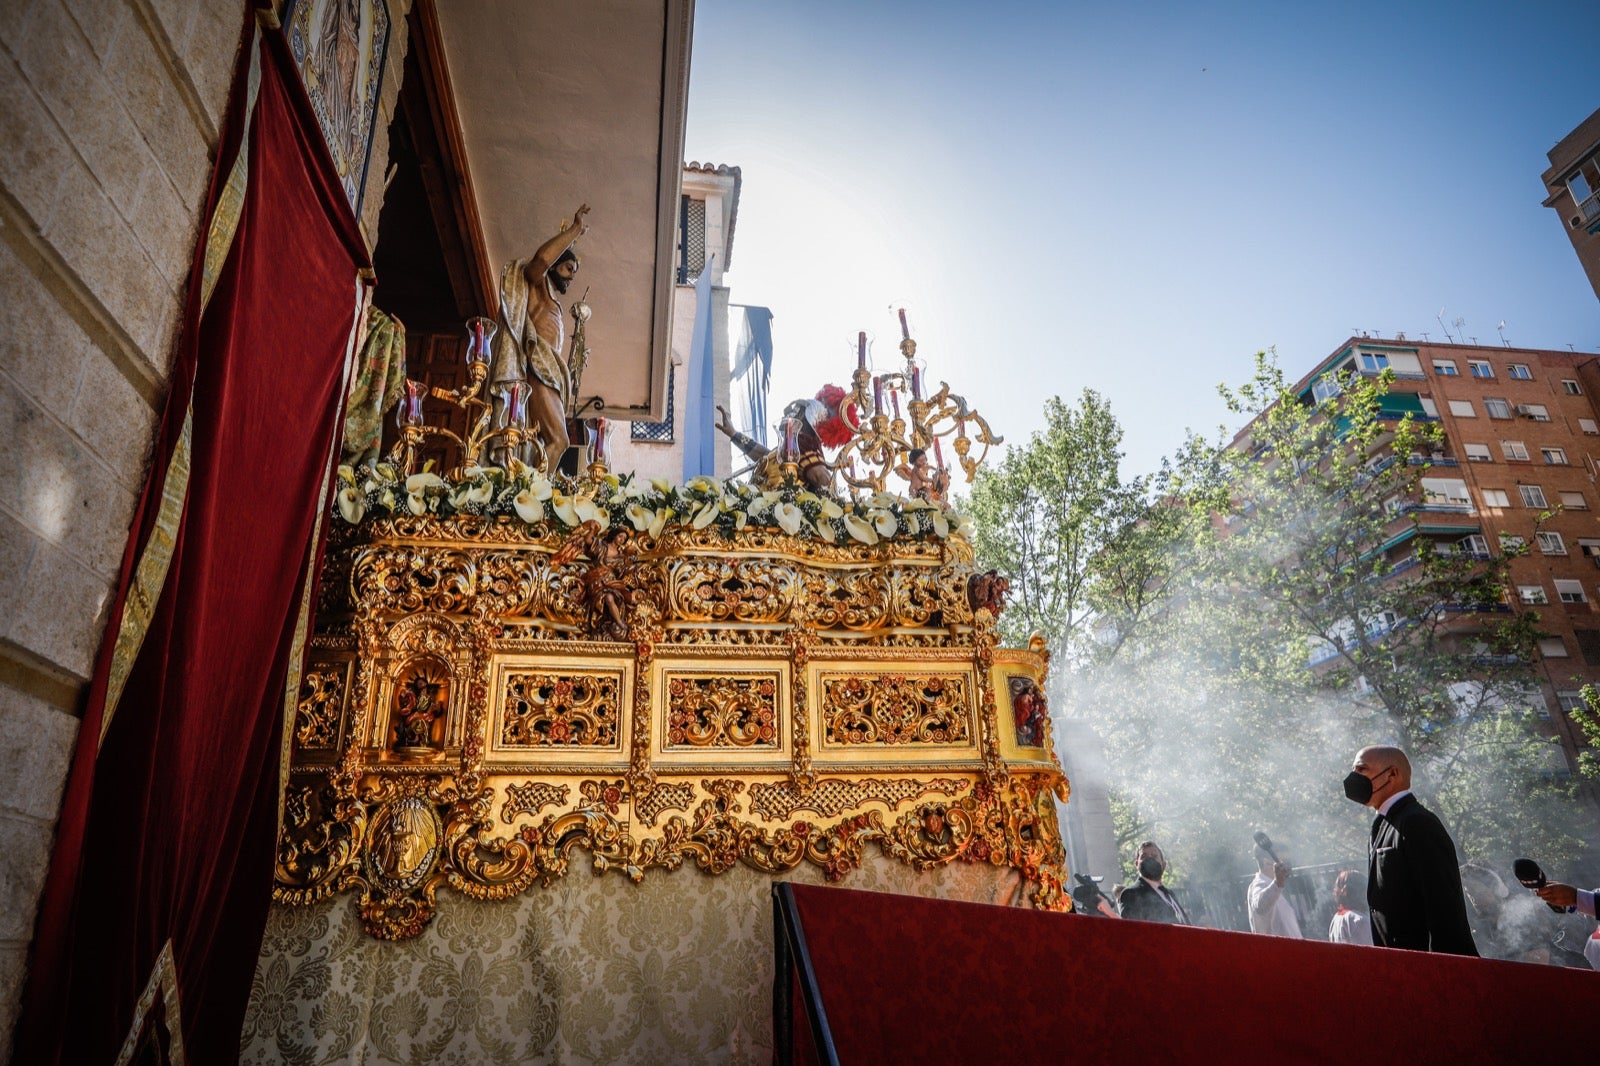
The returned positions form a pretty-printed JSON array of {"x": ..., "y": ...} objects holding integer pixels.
[
  {"x": 480, "y": 334},
  {"x": 409, "y": 411}
]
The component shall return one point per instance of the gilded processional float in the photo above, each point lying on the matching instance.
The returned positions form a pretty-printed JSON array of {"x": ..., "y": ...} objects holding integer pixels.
[{"x": 513, "y": 671}]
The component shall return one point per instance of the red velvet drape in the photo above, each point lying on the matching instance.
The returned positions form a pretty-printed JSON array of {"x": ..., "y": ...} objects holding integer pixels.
[
  {"x": 910, "y": 980},
  {"x": 168, "y": 828}
]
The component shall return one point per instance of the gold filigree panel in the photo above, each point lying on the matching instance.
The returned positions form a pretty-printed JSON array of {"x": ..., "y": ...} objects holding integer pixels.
[
  {"x": 718, "y": 711},
  {"x": 894, "y": 710},
  {"x": 319, "y": 710},
  {"x": 834, "y": 796},
  {"x": 567, "y": 710}
]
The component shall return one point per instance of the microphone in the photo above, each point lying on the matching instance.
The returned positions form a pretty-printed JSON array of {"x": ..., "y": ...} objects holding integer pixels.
[
  {"x": 1531, "y": 874},
  {"x": 1264, "y": 842}
]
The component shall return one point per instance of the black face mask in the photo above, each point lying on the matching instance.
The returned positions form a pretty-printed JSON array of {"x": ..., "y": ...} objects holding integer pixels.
[
  {"x": 1358, "y": 786},
  {"x": 1151, "y": 868}
]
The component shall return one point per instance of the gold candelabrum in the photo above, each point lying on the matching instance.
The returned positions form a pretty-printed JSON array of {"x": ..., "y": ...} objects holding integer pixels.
[
  {"x": 881, "y": 443},
  {"x": 482, "y": 434}
]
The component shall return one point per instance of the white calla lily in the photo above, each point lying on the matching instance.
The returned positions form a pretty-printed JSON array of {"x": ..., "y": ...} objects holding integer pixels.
[
  {"x": 539, "y": 486},
  {"x": 529, "y": 507},
  {"x": 418, "y": 483},
  {"x": 640, "y": 516},
  {"x": 789, "y": 517},
  {"x": 352, "y": 504},
  {"x": 883, "y": 521},
  {"x": 659, "y": 523},
  {"x": 860, "y": 529},
  {"x": 588, "y": 510},
  {"x": 705, "y": 516}
]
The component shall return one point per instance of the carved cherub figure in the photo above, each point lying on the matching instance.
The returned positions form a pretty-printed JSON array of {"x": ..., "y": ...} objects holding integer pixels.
[
  {"x": 925, "y": 483},
  {"x": 605, "y": 586},
  {"x": 988, "y": 590}
]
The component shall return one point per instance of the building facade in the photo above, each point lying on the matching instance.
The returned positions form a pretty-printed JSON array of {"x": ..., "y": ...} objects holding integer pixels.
[
  {"x": 1572, "y": 183},
  {"x": 707, "y": 213},
  {"x": 1520, "y": 459}
]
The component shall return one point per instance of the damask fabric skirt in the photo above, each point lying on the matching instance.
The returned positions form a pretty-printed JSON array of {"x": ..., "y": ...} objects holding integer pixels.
[{"x": 677, "y": 968}]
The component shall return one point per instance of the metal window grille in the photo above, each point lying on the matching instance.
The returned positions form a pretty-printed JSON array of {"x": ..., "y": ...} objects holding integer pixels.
[
  {"x": 691, "y": 239},
  {"x": 657, "y": 432}
]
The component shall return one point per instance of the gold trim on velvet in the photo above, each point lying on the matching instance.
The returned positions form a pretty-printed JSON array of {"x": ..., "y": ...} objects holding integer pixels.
[
  {"x": 302, "y": 622},
  {"x": 150, "y": 576},
  {"x": 163, "y": 979}
]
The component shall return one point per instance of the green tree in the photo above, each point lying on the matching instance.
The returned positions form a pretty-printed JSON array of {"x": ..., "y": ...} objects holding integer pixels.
[{"x": 1043, "y": 514}]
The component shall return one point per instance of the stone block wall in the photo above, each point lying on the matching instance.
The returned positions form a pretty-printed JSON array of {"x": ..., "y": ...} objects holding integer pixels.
[{"x": 110, "y": 112}]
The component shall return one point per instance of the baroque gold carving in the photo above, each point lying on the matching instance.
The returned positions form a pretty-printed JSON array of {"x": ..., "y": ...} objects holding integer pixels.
[
  {"x": 321, "y": 707},
  {"x": 561, "y": 710},
  {"x": 467, "y": 602},
  {"x": 531, "y": 797},
  {"x": 835, "y": 795},
  {"x": 722, "y": 711},
  {"x": 663, "y": 797},
  {"x": 896, "y": 709}
]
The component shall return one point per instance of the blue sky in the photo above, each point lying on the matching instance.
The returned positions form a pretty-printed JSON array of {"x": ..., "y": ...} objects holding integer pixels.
[{"x": 1135, "y": 197}]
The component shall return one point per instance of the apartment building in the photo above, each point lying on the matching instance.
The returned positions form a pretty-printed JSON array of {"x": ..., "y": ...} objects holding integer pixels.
[
  {"x": 1572, "y": 187},
  {"x": 1519, "y": 462}
]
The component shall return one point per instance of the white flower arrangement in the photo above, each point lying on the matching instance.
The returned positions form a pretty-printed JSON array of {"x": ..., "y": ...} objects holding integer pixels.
[{"x": 646, "y": 507}]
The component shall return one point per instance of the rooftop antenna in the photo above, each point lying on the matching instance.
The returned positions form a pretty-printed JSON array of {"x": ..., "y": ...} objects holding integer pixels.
[
  {"x": 1502, "y": 328},
  {"x": 1440, "y": 317}
]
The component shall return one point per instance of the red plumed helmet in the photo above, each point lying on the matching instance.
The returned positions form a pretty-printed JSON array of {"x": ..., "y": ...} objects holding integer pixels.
[{"x": 832, "y": 430}]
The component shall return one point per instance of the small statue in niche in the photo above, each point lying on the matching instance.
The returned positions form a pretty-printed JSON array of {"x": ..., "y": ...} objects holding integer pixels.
[
  {"x": 527, "y": 347},
  {"x": 923, "y": 481},
  {"x": 988, "y": 590},
  {"x": 419, "y": 701},
  {"x": 1028, "y": 711},
  {"x": 605, "y": 585}
]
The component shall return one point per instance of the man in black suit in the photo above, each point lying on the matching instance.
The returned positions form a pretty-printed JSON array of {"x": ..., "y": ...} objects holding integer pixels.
[
  {"x": 1147, "y": 899},
  {"x": 1413, "y": 883}
]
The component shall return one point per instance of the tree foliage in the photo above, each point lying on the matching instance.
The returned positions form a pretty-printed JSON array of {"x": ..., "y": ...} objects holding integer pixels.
[{"x": 1239, "y": 623}]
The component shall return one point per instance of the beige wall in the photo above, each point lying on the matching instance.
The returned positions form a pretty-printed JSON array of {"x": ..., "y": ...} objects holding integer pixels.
[{"x": 109, "y": 113}]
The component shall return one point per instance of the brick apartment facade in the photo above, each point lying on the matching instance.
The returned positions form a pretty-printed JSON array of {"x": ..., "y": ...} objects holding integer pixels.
[
  {"x": 1572, "y": 184},
  {"x": 1522, "y": 438}
]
